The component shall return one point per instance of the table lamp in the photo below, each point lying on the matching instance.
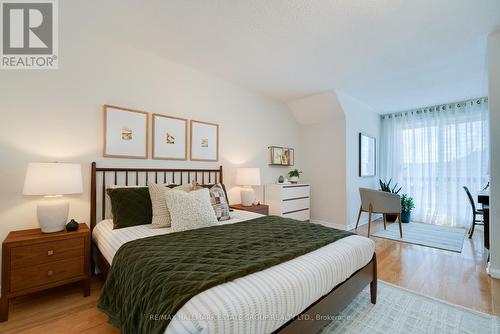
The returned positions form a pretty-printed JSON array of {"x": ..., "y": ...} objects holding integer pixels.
[
  {"x": 52, "y": 180},
  {"x": 247, "y": 177}
]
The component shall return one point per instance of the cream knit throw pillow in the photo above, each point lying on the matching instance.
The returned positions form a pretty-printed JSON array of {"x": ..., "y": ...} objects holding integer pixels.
[{"x": 190, "y": 210}]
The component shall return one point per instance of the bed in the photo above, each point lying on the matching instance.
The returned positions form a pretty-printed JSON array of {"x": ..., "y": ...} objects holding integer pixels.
[{"x": 299, "y": 295}]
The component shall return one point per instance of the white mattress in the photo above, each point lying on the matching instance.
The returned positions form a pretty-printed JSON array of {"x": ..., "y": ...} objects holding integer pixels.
[{"x": 260, "y": 302}]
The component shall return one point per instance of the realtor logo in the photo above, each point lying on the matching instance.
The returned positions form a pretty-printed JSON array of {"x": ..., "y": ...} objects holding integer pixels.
[{"x": 29, "y": 34}]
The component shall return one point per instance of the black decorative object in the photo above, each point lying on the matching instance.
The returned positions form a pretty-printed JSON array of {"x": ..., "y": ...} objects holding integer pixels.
[
  {"x": 72, "y": 226},
  {"x": 281, "y": 179}
]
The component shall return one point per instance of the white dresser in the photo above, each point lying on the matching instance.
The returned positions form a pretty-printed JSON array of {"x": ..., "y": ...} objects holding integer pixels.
[{"x": 288, "y": 200}]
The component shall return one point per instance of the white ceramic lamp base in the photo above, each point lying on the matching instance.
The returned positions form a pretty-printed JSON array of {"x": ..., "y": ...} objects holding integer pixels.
[
  {"x": 52, "y": 214},
  {"x": 247, "y": 196}
]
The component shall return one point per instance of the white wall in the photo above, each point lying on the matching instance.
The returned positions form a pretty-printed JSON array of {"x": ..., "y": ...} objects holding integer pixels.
[
  {"x": 494, "y": 103},
  {"x": 323, "y": 143},
  {"x": 359, "y": 118},
  {"x": 329, "y": 125},
  {"x": 57, "y": 115}
]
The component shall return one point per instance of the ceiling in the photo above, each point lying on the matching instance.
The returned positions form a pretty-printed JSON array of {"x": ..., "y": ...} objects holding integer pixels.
[{"x": 392, "y": 55}]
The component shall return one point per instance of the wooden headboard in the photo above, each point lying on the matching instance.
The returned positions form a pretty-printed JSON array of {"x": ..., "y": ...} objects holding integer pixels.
[{"x": 105, "y": 177}]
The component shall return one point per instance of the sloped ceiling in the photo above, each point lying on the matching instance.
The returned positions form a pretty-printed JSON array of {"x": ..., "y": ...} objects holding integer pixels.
[
  {"x": 319, "y": 108},
  {"x": 392, "y": 55}
]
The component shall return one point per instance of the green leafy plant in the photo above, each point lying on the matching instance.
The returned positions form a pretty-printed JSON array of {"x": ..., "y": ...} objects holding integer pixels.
[
  {"x": 407, "y": 203},
  {"x": 386, "y": 186},
  {"x": 295, "y": 173}
]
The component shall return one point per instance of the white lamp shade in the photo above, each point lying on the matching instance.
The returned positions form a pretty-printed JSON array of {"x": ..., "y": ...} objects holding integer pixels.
[
  {"x": 248, "y": 176},
  {"x": 53, "y": 178}
]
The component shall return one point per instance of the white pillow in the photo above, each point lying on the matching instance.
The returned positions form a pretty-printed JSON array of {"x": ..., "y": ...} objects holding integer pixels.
[
  {"x": 190, "y": 210},
  {"x": 161, "y": 215}
]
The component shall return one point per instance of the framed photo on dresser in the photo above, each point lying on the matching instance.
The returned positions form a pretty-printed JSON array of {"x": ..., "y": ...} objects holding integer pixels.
[
  {"x": 204, "y": 141},
  {"x": 125, "y": 133},
  {"x": 169, "y": 137}
]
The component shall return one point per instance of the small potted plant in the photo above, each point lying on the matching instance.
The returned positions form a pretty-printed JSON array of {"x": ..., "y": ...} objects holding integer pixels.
[
  {"x": 294, "y": 175},
  {"x": 407, "y": 205}
]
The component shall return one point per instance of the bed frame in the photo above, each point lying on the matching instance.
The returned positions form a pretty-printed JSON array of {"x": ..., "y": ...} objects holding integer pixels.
[{"x": 311, "y": 320}]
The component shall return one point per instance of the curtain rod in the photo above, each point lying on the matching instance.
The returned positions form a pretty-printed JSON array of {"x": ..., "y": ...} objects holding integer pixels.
[{"x": 439, "y": 107}]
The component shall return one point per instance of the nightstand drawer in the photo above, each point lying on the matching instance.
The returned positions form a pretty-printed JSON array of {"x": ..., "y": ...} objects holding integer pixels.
[
  {"x": 42, "y": 274},
  {"x": 25, "y": 256}
]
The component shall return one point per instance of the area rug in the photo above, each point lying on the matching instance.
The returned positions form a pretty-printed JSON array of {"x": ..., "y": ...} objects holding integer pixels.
[
  {"x": 442, "y": 237},
  {"x": 401, "y": 311}
]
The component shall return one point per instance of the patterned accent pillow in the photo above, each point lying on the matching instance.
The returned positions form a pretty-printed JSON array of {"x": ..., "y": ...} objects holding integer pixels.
[
  {"x": 218, "y": 199},
  {"x": 190, "y": 210},
  {"x": 161, "y": 215}
]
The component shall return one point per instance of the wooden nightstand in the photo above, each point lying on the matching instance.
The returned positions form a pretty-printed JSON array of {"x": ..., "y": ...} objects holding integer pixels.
[
  {"x": 34, "y": 261},
  {"x": 259, "y": 208}
]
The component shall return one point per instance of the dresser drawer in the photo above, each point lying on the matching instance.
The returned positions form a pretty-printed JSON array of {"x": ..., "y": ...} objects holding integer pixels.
[
  {"x": 42, "y": 274},
  {"x": 25, "y": 256},
  {"x": 298, "y": 215},
  {"x": 295, "y": 204},
  {"x": 295, "y": 192}
]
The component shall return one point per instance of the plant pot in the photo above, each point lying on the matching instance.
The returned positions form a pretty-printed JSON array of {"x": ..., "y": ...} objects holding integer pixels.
[
  {"x": 294, "y": 179},
  {"x": 391, "y": 218},
  {"x": 405, "y": 217}
]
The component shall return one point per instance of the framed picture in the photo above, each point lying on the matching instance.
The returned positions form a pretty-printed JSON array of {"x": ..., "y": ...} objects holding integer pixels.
[
  {"x": 204, "y": 141},
  {"x": 367, "y": 155},
  {"x": 291, "y": 157},
  {"x": 125, "y": 133},
  {"x": 276, "y": 155},
  {"x": 169, "y": 137},
  {"x": 281, "y": 156}
]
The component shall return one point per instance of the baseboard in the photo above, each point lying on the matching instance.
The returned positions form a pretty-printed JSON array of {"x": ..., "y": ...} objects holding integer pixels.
[
  {"x": 362, "y": 221},
  {"x": 493, "y": 272},
  {"x": 337, "y": 226}
]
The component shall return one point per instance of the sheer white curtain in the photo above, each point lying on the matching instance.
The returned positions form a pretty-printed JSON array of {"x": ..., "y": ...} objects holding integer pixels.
[{"x": 433, "y": 152}]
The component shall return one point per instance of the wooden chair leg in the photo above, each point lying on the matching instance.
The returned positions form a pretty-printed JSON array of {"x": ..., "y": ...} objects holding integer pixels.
[
  {"x": 385, "y": 221},
  {"x": 369, "y": 219},
  {"x": 400, "y": 226},
  {"x": 359, "y": 216}
]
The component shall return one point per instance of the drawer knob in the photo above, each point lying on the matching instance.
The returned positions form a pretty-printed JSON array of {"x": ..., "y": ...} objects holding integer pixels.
[
  {"x": 50, "y": 273},
  {"x": 50, "y": 252}
]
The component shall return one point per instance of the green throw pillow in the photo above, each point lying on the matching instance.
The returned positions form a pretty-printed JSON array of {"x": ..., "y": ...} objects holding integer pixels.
[{"x": 130, "y": 206}]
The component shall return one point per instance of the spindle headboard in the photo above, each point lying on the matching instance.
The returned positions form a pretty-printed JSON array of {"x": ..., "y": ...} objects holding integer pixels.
[{"x": 103, "y": 177}]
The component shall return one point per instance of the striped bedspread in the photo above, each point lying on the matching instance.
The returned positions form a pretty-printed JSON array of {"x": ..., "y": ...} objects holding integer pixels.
[{"x": 260, "y": 302}]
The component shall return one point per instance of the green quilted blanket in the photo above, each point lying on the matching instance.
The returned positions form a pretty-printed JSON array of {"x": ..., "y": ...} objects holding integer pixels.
[{"x": 152, "y": 278}]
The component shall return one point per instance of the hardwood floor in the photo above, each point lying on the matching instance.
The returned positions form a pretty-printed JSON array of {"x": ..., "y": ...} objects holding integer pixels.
[
  {"x": 61, "y": 310},
  {"x": 458, "y": 278}
]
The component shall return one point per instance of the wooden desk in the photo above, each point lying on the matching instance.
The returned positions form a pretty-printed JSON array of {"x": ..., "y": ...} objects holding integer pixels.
[
  {"x": 483, "y": 198},
  {"x": 486, "y": 221}
]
